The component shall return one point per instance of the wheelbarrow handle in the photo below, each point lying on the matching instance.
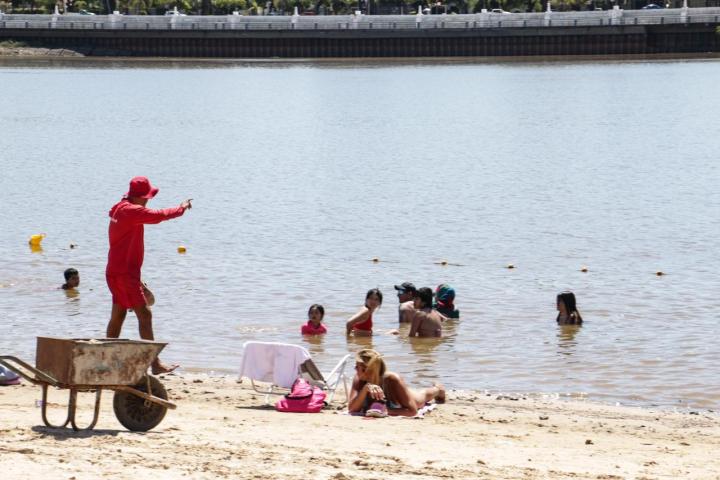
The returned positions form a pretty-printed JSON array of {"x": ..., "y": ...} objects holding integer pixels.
[
  {"x": 150, "y": 398},
  {"x": 22, "y": 368}
]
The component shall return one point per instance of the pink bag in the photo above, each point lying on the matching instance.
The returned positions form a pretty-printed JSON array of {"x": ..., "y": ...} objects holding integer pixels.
[{"x": 303, "y": 398}]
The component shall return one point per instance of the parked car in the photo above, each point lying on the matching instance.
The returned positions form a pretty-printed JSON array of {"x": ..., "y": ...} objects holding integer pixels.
[
  {"x": 173, "y": 12},
  {"x": 499, "y": 10},
  {"x": 85, "y": 12},
  {"x": 652, "y": 6}
]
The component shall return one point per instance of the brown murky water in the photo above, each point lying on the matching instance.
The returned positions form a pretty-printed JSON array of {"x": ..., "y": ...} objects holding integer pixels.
[{"x": 303, "y": 172}]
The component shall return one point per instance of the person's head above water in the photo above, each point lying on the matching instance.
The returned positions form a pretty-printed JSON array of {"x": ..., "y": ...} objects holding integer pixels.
[
  {"x": 445, "y": 301},
  {"x": 141, "y": 190},
  {"x": 423, "y": 298},
  {"x": 72, "y": 278},
  {"x": 373, "y": 299},
  {"x": 567, "y": 308},
  {"x": 370, "y": 366},
  {"x": 316, "y": 312},
  {"x": 405, "y": 291},
  {"x": 445, "y": 296}
]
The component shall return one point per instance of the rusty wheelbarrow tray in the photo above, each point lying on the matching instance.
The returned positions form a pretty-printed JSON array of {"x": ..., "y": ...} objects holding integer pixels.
[{"x": 94, "y": 365}]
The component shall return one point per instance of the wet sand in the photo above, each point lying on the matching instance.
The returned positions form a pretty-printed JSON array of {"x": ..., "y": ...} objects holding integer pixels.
[{"x": 222, "y": 430}]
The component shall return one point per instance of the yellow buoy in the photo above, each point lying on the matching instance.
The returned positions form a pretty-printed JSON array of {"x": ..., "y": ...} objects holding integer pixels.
[
  {"x": 375, "y": 259},
  {"x": 182, "y": 249},
  {"x": 583, "y": 269},
  {"x": 510, "y": 266},
  {"x": 36, "y": 240}
]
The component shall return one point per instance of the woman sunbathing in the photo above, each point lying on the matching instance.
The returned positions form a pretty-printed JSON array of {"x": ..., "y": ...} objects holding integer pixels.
[{"x": 377, "y": 392}]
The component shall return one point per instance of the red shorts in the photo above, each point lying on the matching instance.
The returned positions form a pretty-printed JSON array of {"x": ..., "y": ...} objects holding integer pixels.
[{"x": 126, "y": 291}]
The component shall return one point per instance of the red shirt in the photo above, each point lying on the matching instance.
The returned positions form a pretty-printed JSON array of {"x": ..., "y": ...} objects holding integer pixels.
[
  {"x": 127, "y": 234},
  {"x": 310, "y": 329}
]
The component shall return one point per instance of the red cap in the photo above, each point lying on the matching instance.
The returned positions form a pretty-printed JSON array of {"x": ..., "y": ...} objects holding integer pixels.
[{"x": 140, "y": 187}]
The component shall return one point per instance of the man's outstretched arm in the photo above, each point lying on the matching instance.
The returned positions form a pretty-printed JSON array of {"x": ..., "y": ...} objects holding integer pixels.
[{"x": 151, "y": 216}]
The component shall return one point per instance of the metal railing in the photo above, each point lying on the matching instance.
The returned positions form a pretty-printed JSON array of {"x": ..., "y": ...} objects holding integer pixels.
[{"x": 483, "y": 20}]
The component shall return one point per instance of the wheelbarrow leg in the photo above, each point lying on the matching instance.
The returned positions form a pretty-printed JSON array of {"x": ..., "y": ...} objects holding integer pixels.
[
  {"x": 72, "y": 408},
  {"x": 44, "y": 409}
]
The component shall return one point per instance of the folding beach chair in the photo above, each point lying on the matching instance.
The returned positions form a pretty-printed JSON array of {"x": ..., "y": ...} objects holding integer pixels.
[
  {"x": 279, "y": 364},
  {"x": 310, "y": 372}
]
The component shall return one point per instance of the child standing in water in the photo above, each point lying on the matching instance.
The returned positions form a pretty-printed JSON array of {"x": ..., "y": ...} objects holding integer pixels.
[
  {"x": 314, "y": 325},
  {"x": 567, "y": 309}
]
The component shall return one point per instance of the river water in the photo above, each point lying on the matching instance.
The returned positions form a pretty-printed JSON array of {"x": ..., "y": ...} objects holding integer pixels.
[{"x": 304, "y": 172}]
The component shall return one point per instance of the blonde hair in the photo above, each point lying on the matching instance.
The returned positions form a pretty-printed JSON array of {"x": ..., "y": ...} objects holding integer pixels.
[{"x": 374, "y": 365}]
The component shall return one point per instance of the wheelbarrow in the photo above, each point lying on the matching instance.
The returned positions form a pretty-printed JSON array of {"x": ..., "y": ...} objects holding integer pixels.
[{"x": 94, "y": 365}]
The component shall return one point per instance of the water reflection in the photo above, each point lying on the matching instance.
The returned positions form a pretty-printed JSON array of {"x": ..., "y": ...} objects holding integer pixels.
[
  {"x": 359, "y": 342},
  {"x": 566, "y": 339},
  {"x": 314, "y": 344},
  {"x": 71, "y": 293},
  {"x": 450, "y": 328},
  {"x": 424, "y": 347}
]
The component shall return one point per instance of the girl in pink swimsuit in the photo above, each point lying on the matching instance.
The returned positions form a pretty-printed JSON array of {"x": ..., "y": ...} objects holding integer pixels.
[
  {"x": 361, "y": 322},
  {"x": 314, "y": 325}
]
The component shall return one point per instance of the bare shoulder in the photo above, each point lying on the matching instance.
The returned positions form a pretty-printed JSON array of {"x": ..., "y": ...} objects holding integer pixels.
[
  {"x": 407, "y": 306},
  {"x": 393, "y": 378}
]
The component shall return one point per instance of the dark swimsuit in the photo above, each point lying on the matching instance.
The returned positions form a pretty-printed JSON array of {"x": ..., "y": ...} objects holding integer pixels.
[{"x": 389, "y": 402}]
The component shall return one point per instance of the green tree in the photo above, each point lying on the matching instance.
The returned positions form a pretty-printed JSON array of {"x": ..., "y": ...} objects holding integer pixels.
[{"x": 229, "y": 6}]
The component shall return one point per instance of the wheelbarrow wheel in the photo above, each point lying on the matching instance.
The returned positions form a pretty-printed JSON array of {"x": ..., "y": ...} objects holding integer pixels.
[{"x": 137, "y": 414}]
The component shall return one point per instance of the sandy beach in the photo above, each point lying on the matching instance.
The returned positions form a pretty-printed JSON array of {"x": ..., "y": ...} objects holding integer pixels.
[{"x": 222, "y": 429}]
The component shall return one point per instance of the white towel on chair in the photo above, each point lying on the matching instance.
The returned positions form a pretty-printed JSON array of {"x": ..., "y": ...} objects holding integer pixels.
[{"x": 275, "y": 363}]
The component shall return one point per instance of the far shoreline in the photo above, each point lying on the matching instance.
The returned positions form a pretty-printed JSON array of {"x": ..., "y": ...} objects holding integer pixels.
[{"x": 21, "y": 51}]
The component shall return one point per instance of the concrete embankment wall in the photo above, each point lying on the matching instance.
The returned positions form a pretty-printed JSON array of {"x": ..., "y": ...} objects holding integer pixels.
[
  {"x": 498, "y": 42},
  {"x": 243, "y": 37}
]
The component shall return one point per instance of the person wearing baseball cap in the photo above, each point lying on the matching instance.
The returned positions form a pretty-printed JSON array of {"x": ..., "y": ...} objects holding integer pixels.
[
  {"x": 128, "y": 218},
  {"x": 405, "y": 293}
]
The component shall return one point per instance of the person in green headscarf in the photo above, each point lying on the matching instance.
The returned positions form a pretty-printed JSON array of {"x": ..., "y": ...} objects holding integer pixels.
[{"x": 444, "y": 301}]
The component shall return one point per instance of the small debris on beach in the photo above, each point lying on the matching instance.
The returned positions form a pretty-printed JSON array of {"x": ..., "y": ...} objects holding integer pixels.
[{"x": 589, "y": 442}]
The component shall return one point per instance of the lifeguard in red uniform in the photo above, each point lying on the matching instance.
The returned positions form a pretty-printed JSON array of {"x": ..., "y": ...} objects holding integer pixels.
[{"x": 128, "y": 218}]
